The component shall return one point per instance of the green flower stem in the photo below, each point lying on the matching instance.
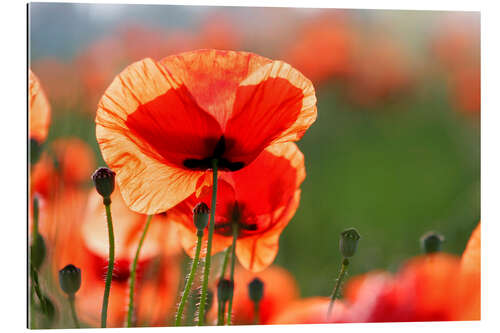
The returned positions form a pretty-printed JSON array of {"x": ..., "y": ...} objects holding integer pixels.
[
  {"x": 222, "y": 307},
  {"x": 233, "y": 261},
  {"x": 211, "y": 227},
  {"x": 224, "y": 263},
  {"x": 71, "y": 299},
  {"x": 220, "y": 314},
  {"x": 133, "y": 272},
  {"x": 111, "y": 262},
  {"x": 189, "y": 282},
  {"x": 33, "y": 289},
  {"x": 338, "y": 282},
  {"x": 256, "y": 313}
]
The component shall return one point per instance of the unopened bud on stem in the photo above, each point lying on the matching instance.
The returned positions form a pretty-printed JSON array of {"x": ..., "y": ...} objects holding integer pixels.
[
  {"x": 200, "y": 216},
  {"x": 256, "y": 290},
  {"x": 70, "y": 279},
  {"x": 104, "y": 181},
  {"x": 225, "y": 290},
  {"x": 349, "y": 242},
  {"x": 431, "y": 242}
]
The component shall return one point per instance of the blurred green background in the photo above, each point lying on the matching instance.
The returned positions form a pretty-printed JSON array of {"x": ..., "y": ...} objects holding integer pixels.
[{"x": 394, "y": 168}]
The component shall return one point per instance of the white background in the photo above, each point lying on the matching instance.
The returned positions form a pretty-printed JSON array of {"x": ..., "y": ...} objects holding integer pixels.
[{"x": 13, "y": 161}]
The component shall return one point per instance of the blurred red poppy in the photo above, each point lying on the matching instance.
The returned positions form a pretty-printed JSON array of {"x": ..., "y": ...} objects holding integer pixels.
[
  {"x": 465, "y": 86},
  {"x": 217, "y": 31},
  {"x": 436, "y": 287},
  {"x": 457, "y": 46},
  {"x": 312, "y": 310},
  {"x": 166, "y": 120},
  {"x": 39, "y": 109},
  {"x": 280, "y": 289},
  {"x": 67, "y": 163},
  {"x": 82, "y": 241},
  {"x": 61, "y": 83},
  {"x": 381, "y": 70},
  {"x": 158, "y": 268},
  {"x": 323, "y": 48}
]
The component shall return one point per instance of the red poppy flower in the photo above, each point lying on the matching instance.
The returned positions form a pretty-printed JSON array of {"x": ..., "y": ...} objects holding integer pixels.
[
  {"x": 457, "y": 48},
  {"x": 280, "y": 289},
  {"x": 466, "y": 88},
  {"x": 160, "y": 123},
  {"x": 156, "y": 290},
  {"x": 312, "y": 310},
  {"x": 470, "y": 271},
  {"x": 161, "y": 236},
  {"x": 437, "y": 287},
  {"x": 68, "y": 165},
  {"x": 381, "y": 70},
  {"x": 82, "y": 241},
  {"x": 324, "y": 48},
  {"x": 261, "y": 199},
  {"x": 39, "y": 110}
]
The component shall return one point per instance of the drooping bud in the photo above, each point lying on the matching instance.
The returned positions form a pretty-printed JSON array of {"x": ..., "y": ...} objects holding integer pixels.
[
  {"x": 431, "y": 242},
  {"x": 37, "y": 251},
  {"x": 349, "y": 242},
  {"x": 104, "y": 181},
  {"x": 256, "y": 290},
  {"x": 225, "y": 290},
  {"x": 200, "y": 216},
  {"x": 70, "y": 279}
]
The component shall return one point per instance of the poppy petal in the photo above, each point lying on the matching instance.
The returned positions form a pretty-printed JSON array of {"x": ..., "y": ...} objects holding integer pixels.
[
  {"x": 471, "y": 258},
  {"x": 212, "y": 77},
  {"x": 39, "y": 109},
  {"x": 274, "y": 104},
  {"x": 256, "y": 253},
  {"x": 470, "y": 286},
  {"x": 147, "y": 180}
]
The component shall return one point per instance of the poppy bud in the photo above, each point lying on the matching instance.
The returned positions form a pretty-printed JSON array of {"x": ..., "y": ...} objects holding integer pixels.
[
  {"x": 104, "y": 181},
  {"x": 200, "y": 216},
  {"x": 70, "y": 279},
  {"x": 35, "y": 151},
  {"x": 348, "y": 242},
  {"x": 431, "y": 242},
  {"x": 36, "y": 207},
  {"x": 256, "y": 290},
  {"x": 225, "y": 290},
  {"x": 37, "y": 250}
]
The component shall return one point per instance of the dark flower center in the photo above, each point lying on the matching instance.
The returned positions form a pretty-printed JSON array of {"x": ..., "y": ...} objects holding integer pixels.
[
  {"x": 218, "y": 153},
  {"x": 245, "y": 226}
]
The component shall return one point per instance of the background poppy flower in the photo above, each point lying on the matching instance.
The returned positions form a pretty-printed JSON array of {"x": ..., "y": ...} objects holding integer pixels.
[
  {"x": 331, "y": 38},
  {"x": 312, "y": 310},
  {"x": 82, "y": 240},
  {"x": 67, "y": 163},
  {"x": 128, "y": 229},
  {"x": 262, "y": 198},
  {"x": 436, "y": 287},
  {"x": 39, "y": 109},
  {"x": 280, "y": 289},
  {"x": 165, "y": 121}
]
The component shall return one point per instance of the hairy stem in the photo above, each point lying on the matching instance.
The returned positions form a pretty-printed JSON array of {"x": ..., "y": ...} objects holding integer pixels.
[
  {"x": 233, "y": 261},
  {"x": 211, "y": 227},
  {"x": 189, "y": 283},
  {"x": 338, "y": 283}
]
